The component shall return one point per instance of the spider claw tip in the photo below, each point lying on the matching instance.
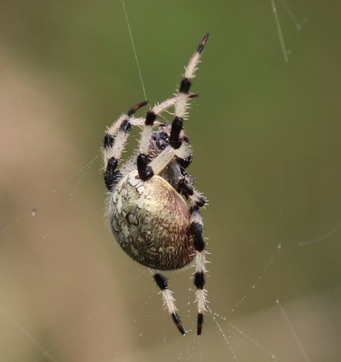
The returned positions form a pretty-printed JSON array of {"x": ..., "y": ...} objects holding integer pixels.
[
  {"x": 177, "y": 321},
  {"x": 200, "y": 322},
  {"x": 203, "y": 42}
]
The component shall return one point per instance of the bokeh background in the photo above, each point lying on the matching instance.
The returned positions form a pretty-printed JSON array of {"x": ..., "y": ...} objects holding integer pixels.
[{"x": 266, "y": 135}]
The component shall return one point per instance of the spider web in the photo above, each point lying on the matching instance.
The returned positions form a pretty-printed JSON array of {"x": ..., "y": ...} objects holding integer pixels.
[{"x": 265, "y": 132}]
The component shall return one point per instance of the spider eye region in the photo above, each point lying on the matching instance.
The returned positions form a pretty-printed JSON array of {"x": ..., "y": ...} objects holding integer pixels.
[
  {"x": 161, "y": 139},
  {"x": 150, "y": 221}
]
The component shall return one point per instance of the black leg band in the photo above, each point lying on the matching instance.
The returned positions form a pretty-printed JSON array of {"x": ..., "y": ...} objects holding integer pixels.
[
  {"x": 174, "y": 139},
  {"x": 144, "y": 170},
  {"x": 200, "y": 323},
  {"x": 161, "y": 281},
  {"x": 111, "y": 177}
]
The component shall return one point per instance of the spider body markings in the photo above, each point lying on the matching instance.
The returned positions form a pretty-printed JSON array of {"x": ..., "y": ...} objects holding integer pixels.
[
  {"x": 152, "y": 207},
  {"x": 143, "y": 227}
]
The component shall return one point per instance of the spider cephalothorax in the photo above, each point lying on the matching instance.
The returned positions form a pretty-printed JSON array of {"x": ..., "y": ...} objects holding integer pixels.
[{"x": 152, "y": 207}]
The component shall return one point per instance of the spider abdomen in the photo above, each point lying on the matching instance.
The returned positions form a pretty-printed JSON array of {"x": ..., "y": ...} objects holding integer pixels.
[{"x": 151, "y": 222}]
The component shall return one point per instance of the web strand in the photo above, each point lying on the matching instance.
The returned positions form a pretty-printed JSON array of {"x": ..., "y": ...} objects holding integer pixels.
[
  {"x": 134, "y": 49},
  {"x": 279, "y": 31},
  {"x": 25, "y": 332},
  {"x": 293, "y": 332},
  {"x": 291, "y": 15}
]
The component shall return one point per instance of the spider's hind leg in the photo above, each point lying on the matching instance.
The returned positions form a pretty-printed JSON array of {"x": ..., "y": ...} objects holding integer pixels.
[{"x": 168, "y": 299}]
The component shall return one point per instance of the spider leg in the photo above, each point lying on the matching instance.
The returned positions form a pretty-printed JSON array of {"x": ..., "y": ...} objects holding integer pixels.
[
  {"x": 114, "y": 142},
  {"x": 168, "y": 299},
  {"x": 200, "y": 261},
  {"x": 196, "y": 200},
  {"x": 185, "y": 187},
  {"x": 145, "y": 171},
  {"x": 182, "y": 104},
  {"x": 177, "y": 146}
]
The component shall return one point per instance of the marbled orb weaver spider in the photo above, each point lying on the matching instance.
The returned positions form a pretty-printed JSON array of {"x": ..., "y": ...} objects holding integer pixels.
[{"x": 152, "y": 206}]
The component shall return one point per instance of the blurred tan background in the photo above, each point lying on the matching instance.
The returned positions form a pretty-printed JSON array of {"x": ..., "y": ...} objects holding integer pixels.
[{"x": 266, "y": 136}]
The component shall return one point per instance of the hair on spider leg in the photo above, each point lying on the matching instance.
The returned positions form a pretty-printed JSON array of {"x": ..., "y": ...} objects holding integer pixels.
[{"x": 153, "y": 207}]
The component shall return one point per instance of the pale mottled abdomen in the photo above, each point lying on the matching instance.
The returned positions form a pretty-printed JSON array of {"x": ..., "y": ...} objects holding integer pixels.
[{"x": 151, "y": 222}]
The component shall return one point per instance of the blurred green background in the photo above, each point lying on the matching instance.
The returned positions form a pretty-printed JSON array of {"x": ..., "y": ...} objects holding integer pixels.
[{"x": 266, "y": 137}]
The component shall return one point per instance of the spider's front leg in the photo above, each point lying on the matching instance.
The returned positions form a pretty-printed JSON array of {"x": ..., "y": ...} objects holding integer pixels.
[
  {"x": 176, "y": 145},
  {"x": 114, "y": 141}
]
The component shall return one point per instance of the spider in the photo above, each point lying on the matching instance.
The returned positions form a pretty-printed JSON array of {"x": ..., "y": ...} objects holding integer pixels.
[{"x": 152, "y": 207}]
